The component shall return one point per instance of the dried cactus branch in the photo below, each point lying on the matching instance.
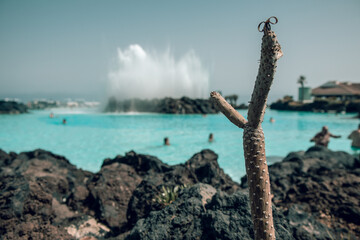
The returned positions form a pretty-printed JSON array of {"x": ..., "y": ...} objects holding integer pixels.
[
  {"x": 259, "y": 183},
  {"x": 270, "y": 53},
  {"x": 234, "y": 116},
  {"x": 253, "y": 138},
  {"x": 254, "y": 141}
]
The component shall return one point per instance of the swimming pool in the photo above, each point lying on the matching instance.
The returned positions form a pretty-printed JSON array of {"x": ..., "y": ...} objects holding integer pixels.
[{"x": 89, "y": 136}]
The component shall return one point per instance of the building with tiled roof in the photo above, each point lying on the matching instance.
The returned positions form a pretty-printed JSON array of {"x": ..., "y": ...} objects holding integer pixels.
[{"x": 336, "y": 89}]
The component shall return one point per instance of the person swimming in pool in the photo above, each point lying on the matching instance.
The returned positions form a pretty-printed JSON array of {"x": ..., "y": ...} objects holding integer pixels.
[
  {"x": 166, "y": 141},
  {"x": 211, "y": 137},
  {"x": 355, "y": 137}
]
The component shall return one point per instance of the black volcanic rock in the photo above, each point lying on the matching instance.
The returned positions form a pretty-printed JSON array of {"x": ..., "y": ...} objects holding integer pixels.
[
  {"x": 183, "y": 105},
  {"x": 12, "y": 107},
  {"x": 207, "y": 170},
  {"x": 201, "y": 212},
  {"x": 241, "y": 106},
  {"x": 111, "y": 190},
  {"x": 317, "y": 105},
  {"x": 201, "y": 168},
  {"x": 320, "y": 184},
  {"x": 141, "y": 163},
  {"x": 44, "y": 196},
  {"x": 34, "y": 187}
]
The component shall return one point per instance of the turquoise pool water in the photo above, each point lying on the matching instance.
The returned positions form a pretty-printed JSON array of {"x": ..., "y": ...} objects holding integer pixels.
[{"x": 90, "y": 137}]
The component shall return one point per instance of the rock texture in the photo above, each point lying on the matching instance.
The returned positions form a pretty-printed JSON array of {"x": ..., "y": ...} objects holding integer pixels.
[
  {"x": 319, "y": 190},
  {"x": 201, "y": 212},
  {"x": 202, "y": 167},
  {"x": 34, "y": 188},
  {"x": 12, "y": 107},
  {"x": 183, "y": 105},
  {"x": 44, "y": 196}
]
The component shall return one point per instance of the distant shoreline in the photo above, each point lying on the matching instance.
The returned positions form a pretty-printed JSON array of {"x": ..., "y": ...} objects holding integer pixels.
[{"x": 319, "y": 105}]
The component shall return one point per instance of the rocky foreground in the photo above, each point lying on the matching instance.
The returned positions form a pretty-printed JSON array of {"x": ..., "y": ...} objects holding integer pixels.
[{"x": 44, "y": 196}]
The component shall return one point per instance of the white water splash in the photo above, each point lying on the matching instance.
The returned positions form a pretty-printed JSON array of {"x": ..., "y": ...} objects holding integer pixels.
[{"x": 147, "y": 75}]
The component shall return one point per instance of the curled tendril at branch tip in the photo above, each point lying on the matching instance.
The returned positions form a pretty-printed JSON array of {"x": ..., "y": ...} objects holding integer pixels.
[{"x": 267, "y": 26}]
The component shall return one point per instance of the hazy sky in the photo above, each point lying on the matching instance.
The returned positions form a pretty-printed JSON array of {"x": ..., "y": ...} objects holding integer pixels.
[{"x": 69, "y": 48}]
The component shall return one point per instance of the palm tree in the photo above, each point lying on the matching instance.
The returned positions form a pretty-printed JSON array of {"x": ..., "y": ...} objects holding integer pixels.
[
  {"x": 301, "y": 81},
  {"x": 232, "y": 99},
  {"x": 235, "y": 99}
]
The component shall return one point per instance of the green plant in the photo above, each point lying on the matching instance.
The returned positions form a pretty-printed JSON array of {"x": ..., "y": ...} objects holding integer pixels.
[{"x": 167, "y": 195}]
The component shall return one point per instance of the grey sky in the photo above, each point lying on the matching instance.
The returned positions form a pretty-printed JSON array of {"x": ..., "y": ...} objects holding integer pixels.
[{"x": 67, "y": 48}]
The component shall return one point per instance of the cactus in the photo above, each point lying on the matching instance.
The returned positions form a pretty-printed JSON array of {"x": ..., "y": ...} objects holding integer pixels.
[{"x": 253, "y": 138}]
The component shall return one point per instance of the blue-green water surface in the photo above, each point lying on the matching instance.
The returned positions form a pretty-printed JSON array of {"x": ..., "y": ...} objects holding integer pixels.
[{"x": 90, "y": 137}]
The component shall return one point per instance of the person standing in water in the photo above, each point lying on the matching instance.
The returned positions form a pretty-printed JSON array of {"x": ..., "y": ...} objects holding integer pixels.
[
  {"x": 323, "y": 138},
  {"x": 355, "y": 137},
  {"x": 211, "y": 137},
  {"x": 166, "y": 141}
]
